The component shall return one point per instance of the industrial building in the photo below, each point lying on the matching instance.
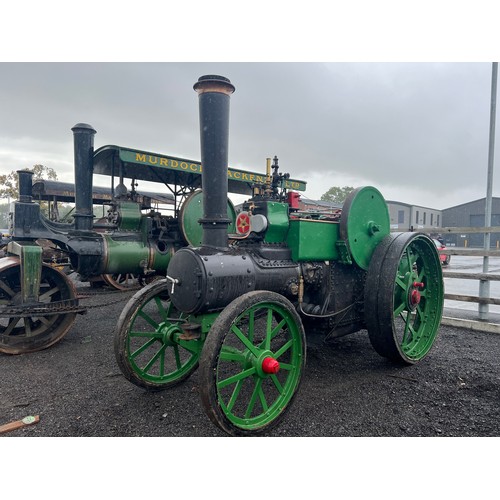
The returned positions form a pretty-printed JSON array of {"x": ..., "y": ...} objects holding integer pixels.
[
  {"x": 471, "y": 214},
  {"x": 406, "y": 217}
]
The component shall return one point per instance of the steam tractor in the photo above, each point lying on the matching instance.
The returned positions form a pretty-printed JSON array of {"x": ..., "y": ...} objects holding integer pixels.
[
  {"x": 237, "y": 306},
  {"x": 38, "y": 302}
]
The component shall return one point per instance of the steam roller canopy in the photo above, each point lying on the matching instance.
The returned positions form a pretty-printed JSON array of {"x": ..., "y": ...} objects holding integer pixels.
[
  {"x": 364, "y": 223},
  {"x": 192, "y": 211}
]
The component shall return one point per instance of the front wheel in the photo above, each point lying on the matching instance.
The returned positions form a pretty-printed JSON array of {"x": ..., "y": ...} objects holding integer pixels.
[
  {"x": 151, "y": 346},
  {"x": 252, "y": 362},
  {"x": 404, "y": 296}
]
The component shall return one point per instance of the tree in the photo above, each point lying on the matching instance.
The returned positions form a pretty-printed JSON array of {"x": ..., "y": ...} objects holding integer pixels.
[
  {"x": 337, "y": 194},
  {"x": 10, "y": 182}
]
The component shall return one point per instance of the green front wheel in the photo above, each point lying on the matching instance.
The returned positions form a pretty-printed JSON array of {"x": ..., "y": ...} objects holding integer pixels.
[
  {"x": 252, "y": 362},
  {"x": 153, "y": 346}
]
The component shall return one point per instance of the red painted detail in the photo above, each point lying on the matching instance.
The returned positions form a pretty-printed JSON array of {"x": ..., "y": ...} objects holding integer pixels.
[
  {"x": 270, "y": 365},
  {"x": 293, "y": 199},
  {"x": 415, "y": 297},
  {"x": 243, "y": 223},
  {"x": 416, "y": 284}
]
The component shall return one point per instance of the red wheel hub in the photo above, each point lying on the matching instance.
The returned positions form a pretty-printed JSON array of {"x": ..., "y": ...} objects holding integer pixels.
[
  {"x": 415, "y": 294},
  {"x": 415, "y": 297},
  {"x": 270, "y": 365}
]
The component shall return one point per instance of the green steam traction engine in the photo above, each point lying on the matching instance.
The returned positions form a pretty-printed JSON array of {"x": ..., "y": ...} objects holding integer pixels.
[{"x": 236, "y": 306}]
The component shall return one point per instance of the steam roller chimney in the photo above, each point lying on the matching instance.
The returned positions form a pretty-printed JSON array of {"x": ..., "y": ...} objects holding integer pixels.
[
  {"x": 83, "y": 139},
  {"x": 25, "y": 185},
  {"x": 214, "y": 94}
]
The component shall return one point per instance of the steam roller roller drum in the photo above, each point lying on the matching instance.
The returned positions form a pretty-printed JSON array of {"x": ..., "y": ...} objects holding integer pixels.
[{"x": 35, "y": 331}]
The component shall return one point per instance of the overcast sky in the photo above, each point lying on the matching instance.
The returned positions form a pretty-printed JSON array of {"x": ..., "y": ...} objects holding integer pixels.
[{"x": 419, "y": 132}]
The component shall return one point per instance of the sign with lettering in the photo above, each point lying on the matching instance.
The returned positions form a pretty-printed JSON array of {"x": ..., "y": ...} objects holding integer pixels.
[{"x": 189, "y": 166}]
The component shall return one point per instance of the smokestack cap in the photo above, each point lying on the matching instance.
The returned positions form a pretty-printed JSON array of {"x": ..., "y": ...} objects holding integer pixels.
[
  {"x": 84, "y": 126},
  {"x": 214, "y": 83}
]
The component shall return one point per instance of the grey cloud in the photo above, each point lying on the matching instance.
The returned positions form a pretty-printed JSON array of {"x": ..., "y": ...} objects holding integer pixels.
[{"x": 388, "y": 124}]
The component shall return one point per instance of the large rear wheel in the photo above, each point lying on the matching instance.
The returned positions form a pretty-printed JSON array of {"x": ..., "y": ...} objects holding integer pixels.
[
  {"x": 252, "y": 362},
  {"x": 404, "y": 296}
]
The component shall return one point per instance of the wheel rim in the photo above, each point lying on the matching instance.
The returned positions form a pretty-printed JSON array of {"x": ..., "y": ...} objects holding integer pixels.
[
  {"x": 157, "y": 348},
  {"x": 123, "y": 281},
  {"x": 35, "y": 332},
  {"x": 250, "y": 394},
  {"x": 418, "y": 299}
]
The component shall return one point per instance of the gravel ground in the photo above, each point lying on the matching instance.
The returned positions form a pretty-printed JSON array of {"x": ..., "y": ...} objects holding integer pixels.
[
  {"x": 347, "y": 390},
  {"x": 77, "y": 389}
]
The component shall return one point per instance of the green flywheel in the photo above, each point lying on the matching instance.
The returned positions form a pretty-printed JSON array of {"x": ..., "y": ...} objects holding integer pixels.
[
  {"x": 192, "y": 211},
  {"x": 364, "y": 223}
]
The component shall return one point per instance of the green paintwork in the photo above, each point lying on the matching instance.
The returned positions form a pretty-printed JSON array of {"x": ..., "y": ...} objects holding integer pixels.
[
  {"x": 130, "y": 216},
  {"x": 343, "y": 252},
  {"x": 313, "y": 240},
  {"x": 364, "y": 223},
  {"x": 418, "y": 323},
  {"x": 278, "y": 222},
  {"x": 133, "y": 256},
  {"x": 30, "y": 256},
  {"x": 192, "y": 212}
]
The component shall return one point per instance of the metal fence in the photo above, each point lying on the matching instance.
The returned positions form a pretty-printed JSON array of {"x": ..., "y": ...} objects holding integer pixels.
[{"x": 480, "y": 277}]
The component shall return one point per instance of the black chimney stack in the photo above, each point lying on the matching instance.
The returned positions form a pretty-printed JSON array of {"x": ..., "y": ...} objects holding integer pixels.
[
  {"x": 25, "y": 185},
  {"x": 214, "y": 93},
  {"x": 83, "y": 137}
]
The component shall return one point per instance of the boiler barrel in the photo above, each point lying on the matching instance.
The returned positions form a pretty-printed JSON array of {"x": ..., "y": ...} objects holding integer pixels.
[{"x": 204, "y": 280}]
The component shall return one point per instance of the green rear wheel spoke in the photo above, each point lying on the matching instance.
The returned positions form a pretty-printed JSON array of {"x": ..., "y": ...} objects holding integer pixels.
[
  {"x": 406, "y": 328},
  {"x": 399, "y": 309},
  {"x": 400, "y": 283}
]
